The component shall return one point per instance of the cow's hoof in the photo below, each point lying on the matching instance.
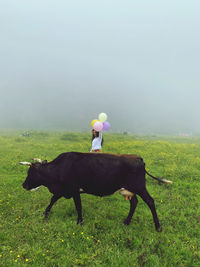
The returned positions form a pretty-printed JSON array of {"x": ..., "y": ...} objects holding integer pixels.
[
  {"x": 159, "y": 229},
  {"x": 80, "y": 221},
  {"x": 46, "y": 214},
  {"x": 127, "y": 221}
]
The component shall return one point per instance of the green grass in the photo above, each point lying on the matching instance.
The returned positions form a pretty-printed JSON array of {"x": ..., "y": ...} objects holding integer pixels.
[{"x": 27, "y": 239}]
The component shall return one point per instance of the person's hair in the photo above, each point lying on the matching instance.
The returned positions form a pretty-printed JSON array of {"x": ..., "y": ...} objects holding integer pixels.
[{"x": 97, "y": 135}]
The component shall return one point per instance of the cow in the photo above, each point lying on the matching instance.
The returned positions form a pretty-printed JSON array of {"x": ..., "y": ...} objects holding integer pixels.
[{"x": 100, "y": 174}]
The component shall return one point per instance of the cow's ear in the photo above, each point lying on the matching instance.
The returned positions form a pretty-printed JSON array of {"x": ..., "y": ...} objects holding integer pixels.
[
  {"x": 44, "y": 162},
  {"x": 25, "y": 163}
]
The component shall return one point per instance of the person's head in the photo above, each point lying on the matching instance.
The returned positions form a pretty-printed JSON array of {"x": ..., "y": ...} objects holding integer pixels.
[{"x": 94, "y": 134}]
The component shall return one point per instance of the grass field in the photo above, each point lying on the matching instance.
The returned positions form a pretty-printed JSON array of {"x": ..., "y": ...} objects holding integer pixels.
[{"x": 27, "y": 239}]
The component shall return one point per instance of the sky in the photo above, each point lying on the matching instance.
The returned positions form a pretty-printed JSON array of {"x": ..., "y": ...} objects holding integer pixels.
[{"x": 64, "y": 62}]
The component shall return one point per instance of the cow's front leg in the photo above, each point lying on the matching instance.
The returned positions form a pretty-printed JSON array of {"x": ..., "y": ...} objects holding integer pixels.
[
  {"x": 77, "y": 201},
  {"x": 53, "y": 200},
  {"x": 133, "y": 204}
]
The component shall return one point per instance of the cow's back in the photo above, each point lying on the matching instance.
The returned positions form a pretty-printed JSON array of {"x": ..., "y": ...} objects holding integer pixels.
[{"x": 103, "y": 174}]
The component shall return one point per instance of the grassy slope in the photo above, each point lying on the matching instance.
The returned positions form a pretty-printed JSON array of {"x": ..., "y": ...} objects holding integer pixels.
[{"x": 26, "y": 239}]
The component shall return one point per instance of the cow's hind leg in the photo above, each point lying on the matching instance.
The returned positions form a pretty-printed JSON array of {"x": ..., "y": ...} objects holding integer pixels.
[
  {"x": 53, "y": 200},
  {"x": 77, "y": 202},
  {"x": 150, "y": 202},
  {"x": 133, "y": 204}
]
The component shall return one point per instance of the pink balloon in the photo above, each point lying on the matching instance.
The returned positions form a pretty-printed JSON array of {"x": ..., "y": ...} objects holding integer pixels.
[
  {"x": 106, "y": 126},
  {"x": 98, "y": 126}
]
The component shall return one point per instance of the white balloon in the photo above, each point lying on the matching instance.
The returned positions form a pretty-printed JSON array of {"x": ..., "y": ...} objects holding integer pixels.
[{"x": 103, "y": 117}]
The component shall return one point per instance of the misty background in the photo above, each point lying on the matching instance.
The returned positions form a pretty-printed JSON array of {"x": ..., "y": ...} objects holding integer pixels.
[{"x": 64, "y": 62}]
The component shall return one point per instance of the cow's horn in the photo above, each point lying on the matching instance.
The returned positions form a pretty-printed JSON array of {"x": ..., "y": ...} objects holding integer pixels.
[
  {"x": 25, "y": 163},
  {"x": 37, "y": 160}
]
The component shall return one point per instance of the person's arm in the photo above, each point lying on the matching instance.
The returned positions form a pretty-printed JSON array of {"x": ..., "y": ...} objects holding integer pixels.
[{"x": 100, "y": 135}]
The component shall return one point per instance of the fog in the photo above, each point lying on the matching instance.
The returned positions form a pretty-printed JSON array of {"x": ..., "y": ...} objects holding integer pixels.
[{"x": 63, "y": 62}]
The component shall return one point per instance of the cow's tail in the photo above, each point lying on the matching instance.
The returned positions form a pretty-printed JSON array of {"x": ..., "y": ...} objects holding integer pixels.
[{"x": 159, "y": 179}]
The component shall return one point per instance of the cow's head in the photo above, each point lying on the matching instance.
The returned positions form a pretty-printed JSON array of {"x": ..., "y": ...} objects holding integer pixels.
[{"x": 34, "y": 178}]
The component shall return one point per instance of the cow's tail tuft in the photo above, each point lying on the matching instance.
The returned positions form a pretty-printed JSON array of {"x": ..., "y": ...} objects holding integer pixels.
[{"x": 159, "y": 179}]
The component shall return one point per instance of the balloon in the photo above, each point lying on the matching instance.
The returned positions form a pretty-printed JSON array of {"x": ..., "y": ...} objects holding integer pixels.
[
  {"x": 102, "y": 117},
  {"x": 93, "y": 122},
  {"x": 98, "y": 126},
  {"x": 106, "y": 126}
]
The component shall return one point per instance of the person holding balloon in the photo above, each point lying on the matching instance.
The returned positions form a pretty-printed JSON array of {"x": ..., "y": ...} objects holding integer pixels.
[
  {"x": 97, "y": 141},
  {"x": 97, "y": 136}
]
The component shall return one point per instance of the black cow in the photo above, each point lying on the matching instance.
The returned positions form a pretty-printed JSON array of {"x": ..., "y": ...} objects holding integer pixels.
[{"x": 98, "y": 174}]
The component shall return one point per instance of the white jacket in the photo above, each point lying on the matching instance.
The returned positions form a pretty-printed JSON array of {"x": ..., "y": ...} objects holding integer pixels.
[{"x": 96, "y": 142}]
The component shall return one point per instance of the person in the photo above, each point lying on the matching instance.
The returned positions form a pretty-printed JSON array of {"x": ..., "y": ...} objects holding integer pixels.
[{"x": 97, "y": 141}]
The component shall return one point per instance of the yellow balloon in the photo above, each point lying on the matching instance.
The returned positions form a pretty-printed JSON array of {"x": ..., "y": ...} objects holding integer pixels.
[{"x": 93, "y": 122}]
